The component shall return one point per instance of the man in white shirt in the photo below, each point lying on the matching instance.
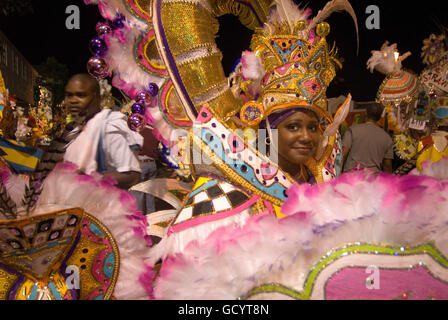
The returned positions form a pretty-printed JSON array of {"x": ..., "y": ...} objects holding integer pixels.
[{"x": 106, "y": 144}]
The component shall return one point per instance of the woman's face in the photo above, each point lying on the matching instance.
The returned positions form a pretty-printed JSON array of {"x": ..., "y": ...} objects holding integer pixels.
[{"x": 298, "y": 139}]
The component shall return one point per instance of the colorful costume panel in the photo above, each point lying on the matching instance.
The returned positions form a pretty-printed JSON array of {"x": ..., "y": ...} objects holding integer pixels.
[{"x": 415, "y": 104}]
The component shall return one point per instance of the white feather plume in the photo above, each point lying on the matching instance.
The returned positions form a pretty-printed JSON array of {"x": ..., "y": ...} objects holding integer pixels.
[
  {"x": 340, "y": 116},
  {"x": 253, "y": 68},
  {"x": 15, "y": 185},
  {"x": 287, "y": 10}
]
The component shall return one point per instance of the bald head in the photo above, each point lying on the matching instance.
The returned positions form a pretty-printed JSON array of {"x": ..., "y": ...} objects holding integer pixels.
[
  {"x": 87, "y": 79},
  {"x": 82, "y": 95}
]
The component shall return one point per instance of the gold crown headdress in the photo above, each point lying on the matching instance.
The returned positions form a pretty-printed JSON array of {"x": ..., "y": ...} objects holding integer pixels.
[{"x": 297, "y": 64}]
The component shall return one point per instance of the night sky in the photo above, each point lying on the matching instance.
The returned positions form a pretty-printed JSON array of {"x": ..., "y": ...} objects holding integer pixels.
[{"x": 402, "y": 21}]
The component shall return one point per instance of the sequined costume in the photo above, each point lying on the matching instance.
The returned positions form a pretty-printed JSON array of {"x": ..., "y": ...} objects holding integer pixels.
[
  {"x": 224, "y": 238},
  {"x": 415, "y": 104}
]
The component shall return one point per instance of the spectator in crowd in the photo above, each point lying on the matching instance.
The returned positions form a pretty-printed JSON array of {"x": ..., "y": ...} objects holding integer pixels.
[
  {"x": 367, "y": 144},
  {"x": 105, "y": 144}
]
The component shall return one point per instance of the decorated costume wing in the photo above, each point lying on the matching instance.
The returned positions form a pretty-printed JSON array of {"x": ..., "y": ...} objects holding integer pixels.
[
  {"x": 168, "y": 49},
  {"x": 356, "y": 237},
  {"x": 82, "y": 239}
]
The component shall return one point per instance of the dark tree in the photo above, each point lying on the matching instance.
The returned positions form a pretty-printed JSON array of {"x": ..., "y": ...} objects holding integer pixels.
[
  {"x": 53, "y": 75},
  {"x": 15, "y": 7}
]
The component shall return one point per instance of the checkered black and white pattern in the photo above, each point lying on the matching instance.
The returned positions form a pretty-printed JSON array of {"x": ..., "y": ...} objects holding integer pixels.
[{"x": 220, "y": 197}]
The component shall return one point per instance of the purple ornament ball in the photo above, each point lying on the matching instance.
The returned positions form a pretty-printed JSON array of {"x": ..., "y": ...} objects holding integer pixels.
[
  {"x": 143, "y": 97},
  {"x": 153, "y": 89},
  {"x": 138, "y": 108},
  {"x": 98, "y": 46},
  {"x": 118, "y": 22},
  {"x": 98, "y": 68},
  {"x": 136, "y": 122},
  {"x": 102, "y": 28}
]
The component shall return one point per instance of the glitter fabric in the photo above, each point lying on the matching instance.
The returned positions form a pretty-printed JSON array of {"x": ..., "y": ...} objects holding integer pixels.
[
  {"x": 35, "y": 266},
  {"x": 190, "y": 29},
  {"x": 297, "y": 68},
  {"x": 190, "y": 19}
]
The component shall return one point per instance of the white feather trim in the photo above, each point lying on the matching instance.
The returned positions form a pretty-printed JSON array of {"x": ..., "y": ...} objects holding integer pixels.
[
  {"x": 115, "y": 208},
  {"x": 15, "y": 185},
  {"x": 253, "y": 68},
  {"x": 287, "y": 10},
  {"x": 177, "y": 242}
]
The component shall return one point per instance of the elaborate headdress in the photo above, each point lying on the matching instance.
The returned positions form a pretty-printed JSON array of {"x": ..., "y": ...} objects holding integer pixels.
[{"x": 295, "y": 64}]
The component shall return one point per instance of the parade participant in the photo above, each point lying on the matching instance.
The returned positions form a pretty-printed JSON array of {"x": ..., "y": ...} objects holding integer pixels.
[
  {"x": 106, "y": 143},
  {"x": 300, "y": 134},
  {"x": 367, "y": 144},
  {"x": 414, "y": 104},
  {"x": 288, "y": 68}
]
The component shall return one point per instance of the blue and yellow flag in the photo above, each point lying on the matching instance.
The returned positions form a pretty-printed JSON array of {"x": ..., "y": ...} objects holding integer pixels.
[{"x": 20, "y": 157}]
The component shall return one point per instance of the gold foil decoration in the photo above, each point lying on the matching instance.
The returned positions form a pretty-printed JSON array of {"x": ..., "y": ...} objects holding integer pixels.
[
  {"x": 187, "y": 25},
  {"x": 323, "y": 29},
  {"x": 301, "y": 25}
]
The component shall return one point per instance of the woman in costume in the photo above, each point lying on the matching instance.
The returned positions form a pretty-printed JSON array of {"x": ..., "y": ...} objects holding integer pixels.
[
  {"x": 299, "y": 132},
  {"x": 224, "y": 239}
]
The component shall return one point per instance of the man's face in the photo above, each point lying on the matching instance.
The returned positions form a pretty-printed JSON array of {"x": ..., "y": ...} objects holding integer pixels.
[{"x": 81, "y": 98}]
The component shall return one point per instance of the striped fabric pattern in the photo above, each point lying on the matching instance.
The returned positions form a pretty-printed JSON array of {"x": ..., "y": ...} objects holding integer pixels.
[
  {"x": 399, "y": 86},
  {"x": 20, "y": 157}
]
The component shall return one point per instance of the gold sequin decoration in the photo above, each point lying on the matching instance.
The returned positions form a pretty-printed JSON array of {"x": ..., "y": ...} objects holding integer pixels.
[
  {"x": 20, "y": 258},
  {"x": 187, "y": 25},
  {"x": 143, "y": 5},
  {"x": 6, "y": 281},
  {"x": 310, "y": 66},
  {"x": 174, "y": 107},
  {"x": 199, "y": 75},
  {"x": 258, "y": 207},
  {"x": 225, "y": 106},
  {"x": 88, "y": 283},
  {"x": 151, "y": 54},
  {"x": 316, "y": 166}
]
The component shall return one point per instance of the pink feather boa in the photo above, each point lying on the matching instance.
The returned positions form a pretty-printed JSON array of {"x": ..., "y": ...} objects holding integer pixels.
[{"x": 356, "y": 207}]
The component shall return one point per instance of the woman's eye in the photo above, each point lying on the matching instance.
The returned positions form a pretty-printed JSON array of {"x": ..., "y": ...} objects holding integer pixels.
[
  {"x": 312, "y": 128},
  {"x": 292, "y": 127}
]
